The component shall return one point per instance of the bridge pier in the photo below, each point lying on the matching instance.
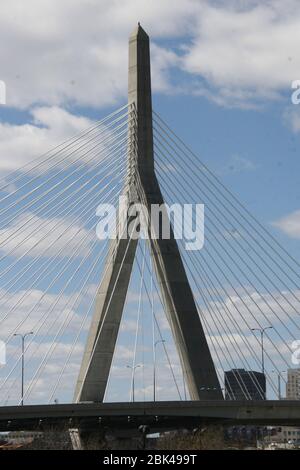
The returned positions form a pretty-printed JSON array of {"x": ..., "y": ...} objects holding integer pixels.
[
  {"x": 104, "y": 438},
  {"x": 86, "y": 439}
]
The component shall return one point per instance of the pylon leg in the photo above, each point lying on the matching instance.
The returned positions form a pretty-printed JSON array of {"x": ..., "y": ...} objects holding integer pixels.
[{"x": 101, "y": 342}]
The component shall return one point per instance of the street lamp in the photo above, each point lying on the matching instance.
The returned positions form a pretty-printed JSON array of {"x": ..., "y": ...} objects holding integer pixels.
[
  {"x": 133, "y": 369},
  {"x": 23, "y": 365},
  {"x": 262, "y": 331},
  {"x": 279, "y": 381},
  {"x": 154, "y": 366},
  {"x": 184, "y": 387}
]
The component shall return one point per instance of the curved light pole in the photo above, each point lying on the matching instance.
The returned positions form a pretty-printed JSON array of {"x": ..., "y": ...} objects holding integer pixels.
[
  {"x": 154, "y": 367},
  {"x": 262, "y": 332},
  {"x": 23, "y": 336},
  {"x": 133, "y": 369}
]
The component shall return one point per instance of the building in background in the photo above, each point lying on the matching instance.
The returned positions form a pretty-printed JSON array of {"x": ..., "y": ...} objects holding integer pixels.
[
  {"x": 293, "y": 384},
  {"x": 241, "y": 384},
  {"x": 288, "y": 434}
]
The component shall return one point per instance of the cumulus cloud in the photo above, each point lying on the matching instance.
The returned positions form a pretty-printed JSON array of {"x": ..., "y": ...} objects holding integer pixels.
[
  {"x": 27, "y": 310},
  {"x": 31, "y": 235},
  {"x": 55, "y": 321},
  {"x": 75, "y": 51},
  {"x": 245, "y": 52},
  {"x": 49, "y": 127},
  {"x": 57, "y": 140},
  {"x": 166, "y": 387},
  {"x": 46, "y": 384},
  {"x": 290, "y": 224},
  {"x": 244, "y": 311}
]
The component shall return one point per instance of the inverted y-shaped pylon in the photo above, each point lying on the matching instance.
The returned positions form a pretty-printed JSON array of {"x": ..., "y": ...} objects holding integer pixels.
[{"x": 142, "y": 186}]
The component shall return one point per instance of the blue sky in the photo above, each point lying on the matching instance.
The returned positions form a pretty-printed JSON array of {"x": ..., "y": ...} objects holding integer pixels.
[
  {"x": 222, "y": 75},
  {"x": 252, "y": 151}
]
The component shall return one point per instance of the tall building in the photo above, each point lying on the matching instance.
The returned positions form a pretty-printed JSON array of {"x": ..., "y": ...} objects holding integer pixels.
[
  {"x": 241, "y": 384},
  {"x": 293, "y": 384}
]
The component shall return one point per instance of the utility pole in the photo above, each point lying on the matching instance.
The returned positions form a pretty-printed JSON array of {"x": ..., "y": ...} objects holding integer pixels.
[
  {"x": 133, "y": 372},
  {"x": 262, "y": 332},
  {"x": 279, "y": 381},
  {"x": 154, "y": 367},
  {"x": 23, "y": 336}
]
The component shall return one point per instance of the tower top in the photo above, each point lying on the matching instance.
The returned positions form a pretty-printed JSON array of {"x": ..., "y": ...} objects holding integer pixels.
[
  {"x": 139, "y": 33},
  {"x": 139, "y": 93}
]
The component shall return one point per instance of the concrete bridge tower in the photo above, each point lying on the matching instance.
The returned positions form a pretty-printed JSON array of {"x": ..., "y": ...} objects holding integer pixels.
[{"x": 179, "y": 304}]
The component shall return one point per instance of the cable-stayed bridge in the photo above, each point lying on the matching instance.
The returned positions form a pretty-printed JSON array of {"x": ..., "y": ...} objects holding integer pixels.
[{"x": 139, "y": 318}]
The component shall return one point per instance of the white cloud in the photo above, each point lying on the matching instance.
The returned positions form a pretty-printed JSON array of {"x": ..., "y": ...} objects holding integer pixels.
[
  {"x": 165, "y": 385},
  {"x": 238, "y": 163},
  {"x": 45, "y": 325},
  {"x": 163, "y": 62},
  {"x": 123, "y": 352},
  {"x": 245, "y": 52},
  {"x": 229, "y": 329},
  {"x": 32, "y": 309},
  {"x": 32, "y": 235},
  {"x": 60, "y": 351},
  {"x": 76, "y": 51},
  {"x": 128, "y": 325},
  {"x": 50, "y": 126},
  {"x": 291, "y": 118},
  {"x": 250, "y": 310},
  {"x": 290, "y": 224}
]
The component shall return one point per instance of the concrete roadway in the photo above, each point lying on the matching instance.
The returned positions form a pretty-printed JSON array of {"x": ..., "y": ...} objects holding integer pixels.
[{"x": 158, "y": 415}]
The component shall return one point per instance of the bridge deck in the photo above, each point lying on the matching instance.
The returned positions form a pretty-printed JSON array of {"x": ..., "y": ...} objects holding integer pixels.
[{"x": 158, "y": 415}]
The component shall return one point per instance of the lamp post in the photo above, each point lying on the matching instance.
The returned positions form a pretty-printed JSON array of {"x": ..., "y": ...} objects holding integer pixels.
[
  {"x": 23, "y": 336},
  {"x": 279, "y": 381},
  {"x": 262, "y": 331},
  {"x": 133, "y": 372},
  {"x": 154, "y": 366},
  {"x": 184, "y": 387}
]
